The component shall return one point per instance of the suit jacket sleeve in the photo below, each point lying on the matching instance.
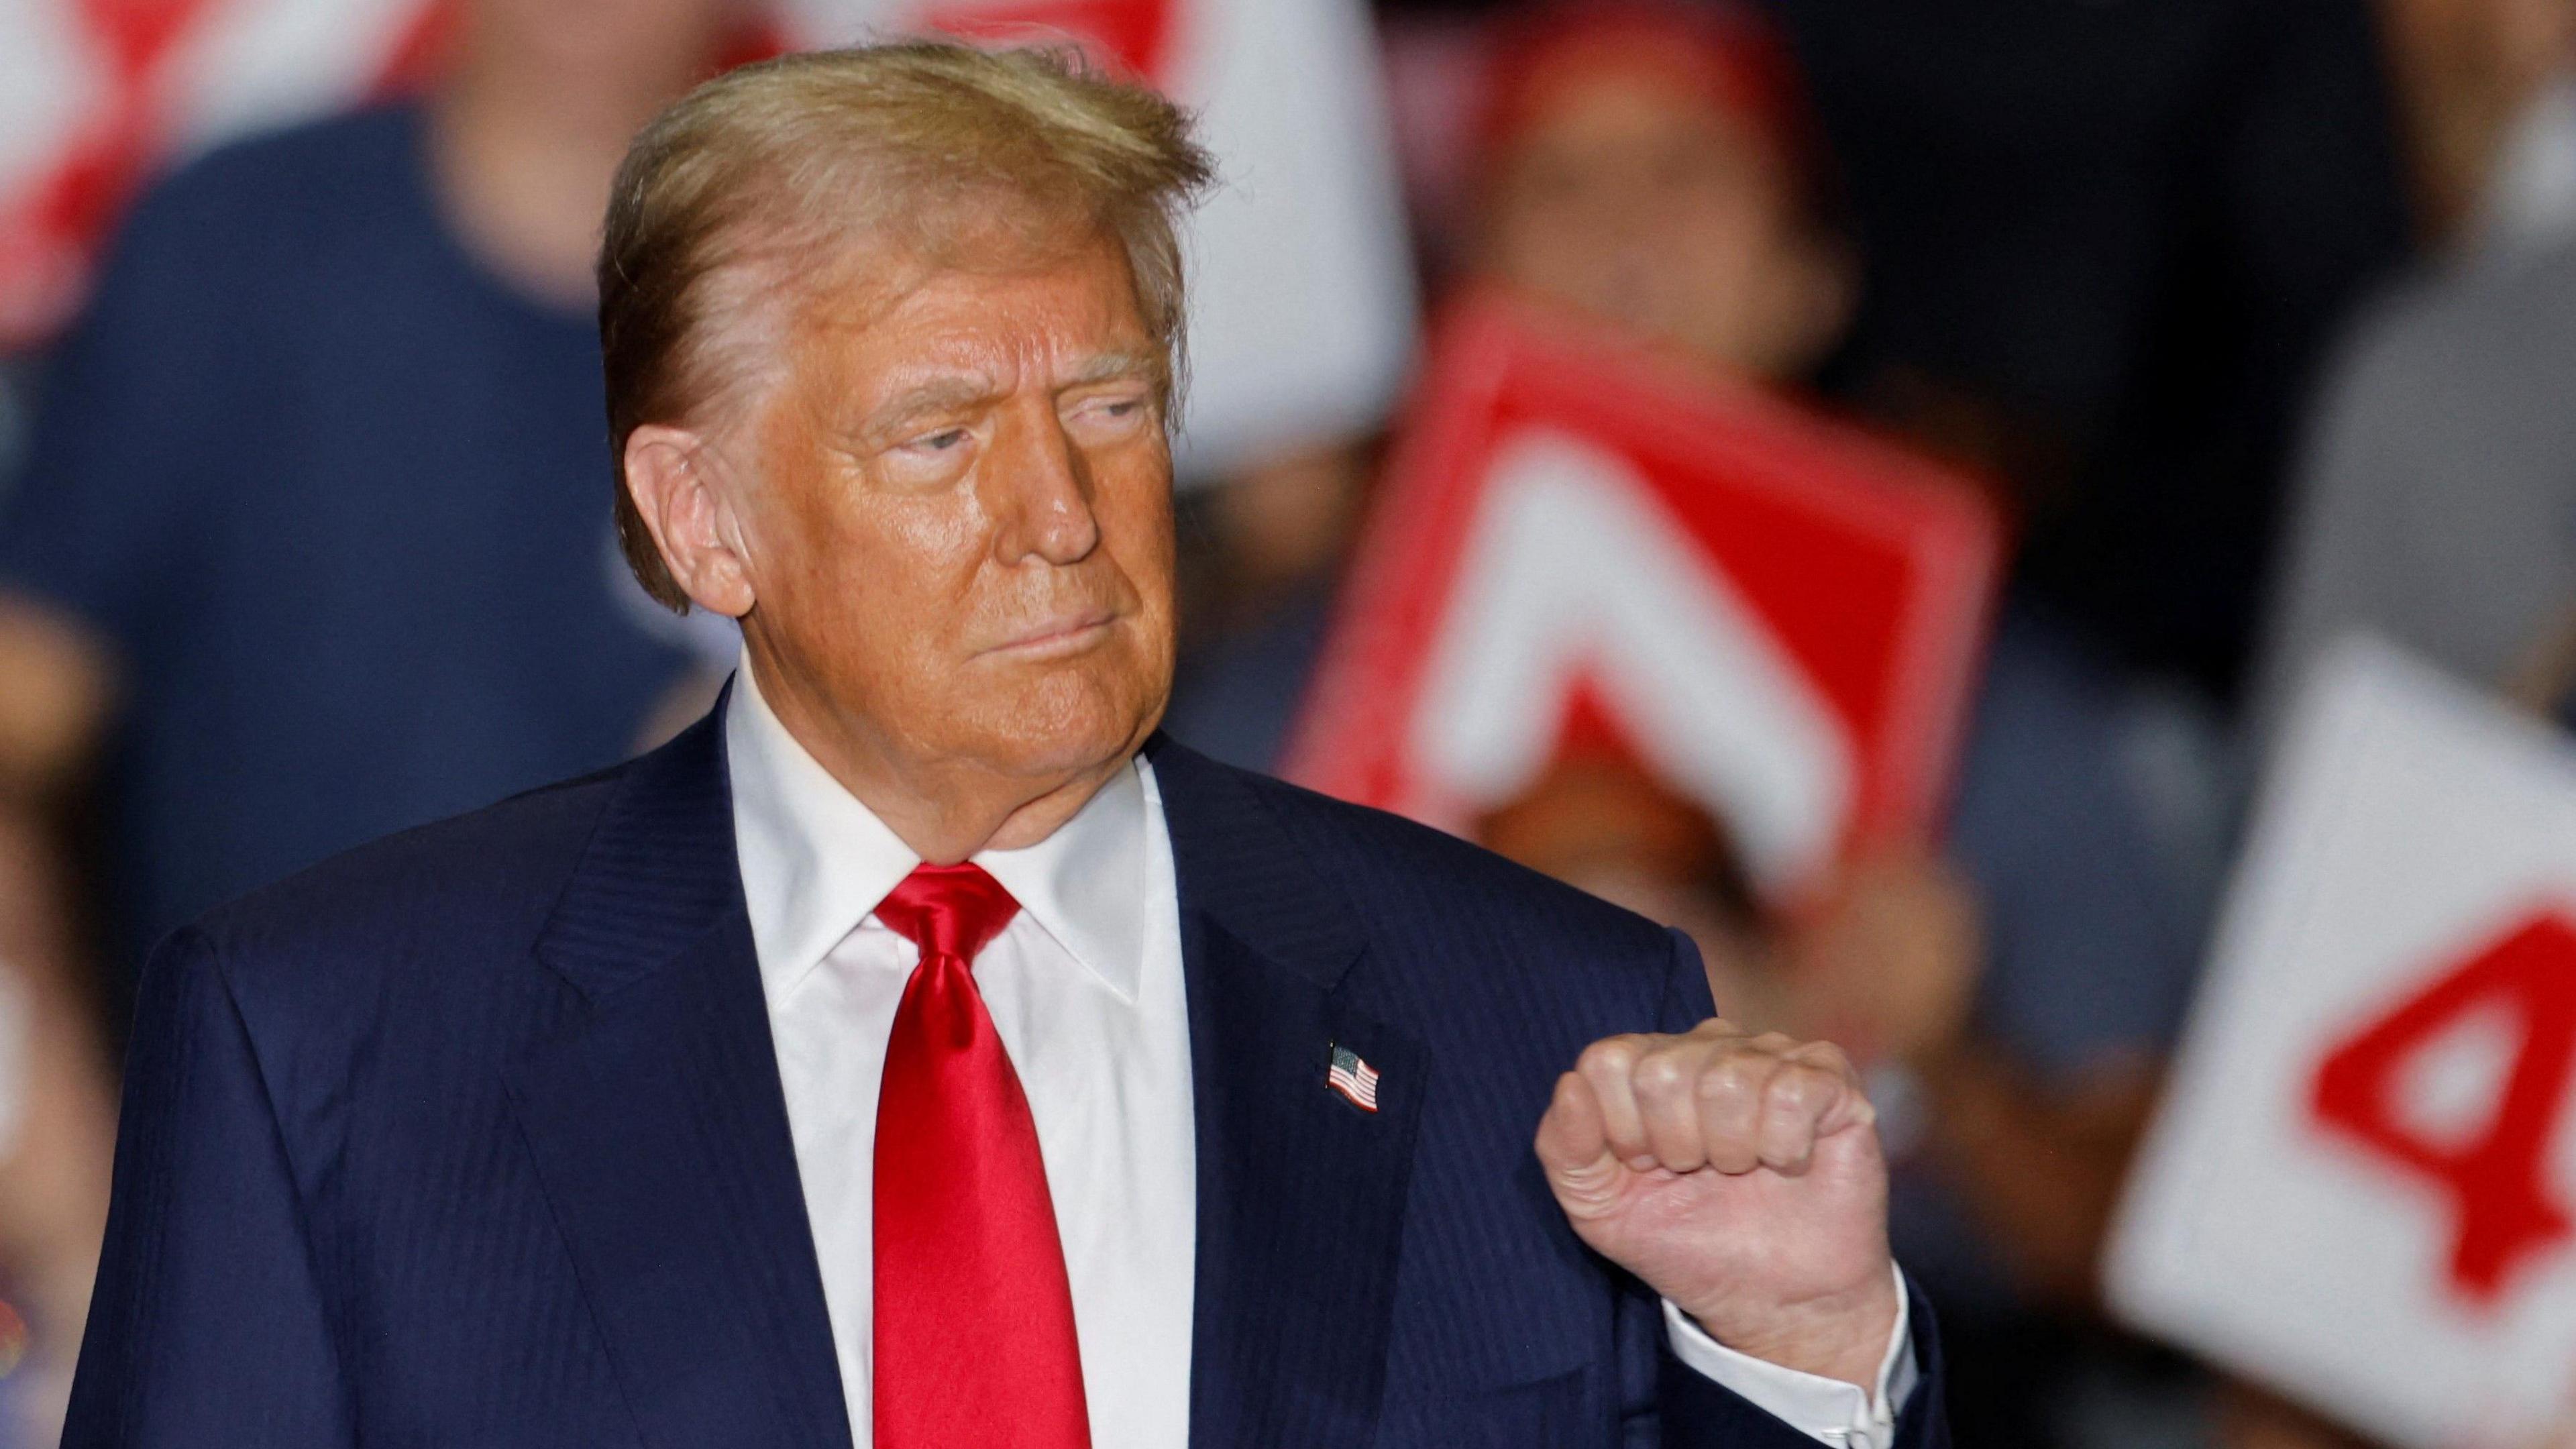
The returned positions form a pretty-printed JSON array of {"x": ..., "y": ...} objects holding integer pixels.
[
  {"x": 1692, "y": 1411},
  {"x": 207, "y": 1326}
]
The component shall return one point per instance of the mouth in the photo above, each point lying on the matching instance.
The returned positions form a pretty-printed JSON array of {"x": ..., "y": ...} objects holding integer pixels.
[{"x": 1056, "y": 637}]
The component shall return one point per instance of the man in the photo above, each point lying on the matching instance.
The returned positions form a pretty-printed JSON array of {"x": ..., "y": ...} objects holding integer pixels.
[
  {"x": 305, "y": 549},
  {"x": 918, "y": 1051}
]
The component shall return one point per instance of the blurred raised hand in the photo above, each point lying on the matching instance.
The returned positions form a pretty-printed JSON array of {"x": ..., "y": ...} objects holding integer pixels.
[
  {"x": 1887, "y": 965},
  {"x": 57, "y": 1129},
  {"x": 57, "y": 1113}
]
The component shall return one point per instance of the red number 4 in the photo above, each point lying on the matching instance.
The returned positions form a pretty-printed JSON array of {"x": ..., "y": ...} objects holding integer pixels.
[{"x": 2497, "y": 1178}]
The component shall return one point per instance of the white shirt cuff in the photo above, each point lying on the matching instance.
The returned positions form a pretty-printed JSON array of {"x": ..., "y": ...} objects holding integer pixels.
[{"x": 1828, "y": 1411}]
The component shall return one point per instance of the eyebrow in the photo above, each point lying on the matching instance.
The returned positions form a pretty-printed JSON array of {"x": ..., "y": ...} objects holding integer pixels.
[
  {"x": 1111, "y": 366},
  {"x": 937, "y": 395},
  {"x": 959, "y": 394}
]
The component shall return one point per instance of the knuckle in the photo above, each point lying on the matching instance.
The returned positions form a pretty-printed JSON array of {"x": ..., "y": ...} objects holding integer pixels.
[
  {"x": 1726, "y": 1084},
  {"x": 1611, "y": 1054},
  {"x": 1661, "y": 1074},
  {"x": 1794, "y": 1094},
  {"x": 1803, "y": 1090},
  {"x": 1826, "y": 1056}
]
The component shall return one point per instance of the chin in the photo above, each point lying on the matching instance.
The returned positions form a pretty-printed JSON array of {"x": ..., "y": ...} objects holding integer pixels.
[{"x": 1072, "y": 721}]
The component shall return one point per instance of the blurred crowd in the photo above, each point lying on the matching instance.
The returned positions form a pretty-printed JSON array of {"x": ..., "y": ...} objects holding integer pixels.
[{"x": 2255, "y": 320}]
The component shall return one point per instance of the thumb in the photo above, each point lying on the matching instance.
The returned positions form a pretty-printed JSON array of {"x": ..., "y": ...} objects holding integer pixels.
[{"x": 1574, "y": 1148}]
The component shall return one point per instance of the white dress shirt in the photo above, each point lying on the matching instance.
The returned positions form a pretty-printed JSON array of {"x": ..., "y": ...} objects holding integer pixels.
[{"x": 1086, "y": 991}]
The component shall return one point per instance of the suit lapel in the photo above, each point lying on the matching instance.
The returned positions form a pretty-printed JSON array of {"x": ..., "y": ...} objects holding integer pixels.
[
  {"x": 660, "y": 1131},
  {"x": 1300, "y": 1194}
]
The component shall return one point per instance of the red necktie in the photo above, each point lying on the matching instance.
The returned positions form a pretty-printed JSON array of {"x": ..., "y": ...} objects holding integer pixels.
[{"x": 974, "y": 1335}]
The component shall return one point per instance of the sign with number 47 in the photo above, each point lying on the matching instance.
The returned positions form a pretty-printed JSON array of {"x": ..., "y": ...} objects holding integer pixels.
[{"x": 2360, "y": 1187}]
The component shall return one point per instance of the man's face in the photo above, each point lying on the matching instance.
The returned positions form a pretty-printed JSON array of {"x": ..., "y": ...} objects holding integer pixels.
[
  {"x": 1657, "y": 210},
  {"x": 960, "y": 529}
]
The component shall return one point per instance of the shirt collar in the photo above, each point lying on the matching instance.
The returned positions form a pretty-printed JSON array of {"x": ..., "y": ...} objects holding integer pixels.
[{"x": 815, "y": 861}]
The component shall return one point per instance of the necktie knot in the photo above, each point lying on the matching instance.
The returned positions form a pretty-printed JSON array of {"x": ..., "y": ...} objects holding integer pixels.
[{"x": 948, "y": 910}]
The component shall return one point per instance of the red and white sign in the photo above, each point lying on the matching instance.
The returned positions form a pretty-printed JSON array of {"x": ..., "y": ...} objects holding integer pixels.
[
  {"x": 1779, "y": 615},
  {"x": 2359, "y": 1189},
  {"x": 1302, "y": 296}
]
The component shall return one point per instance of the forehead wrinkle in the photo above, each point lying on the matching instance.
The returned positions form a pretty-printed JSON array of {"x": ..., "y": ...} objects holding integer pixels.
[
  {"x": 891, "y": 252},
  {"x": 830, "y": 291}
]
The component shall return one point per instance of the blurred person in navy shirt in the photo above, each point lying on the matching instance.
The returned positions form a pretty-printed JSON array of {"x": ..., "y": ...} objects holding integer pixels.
[
  {"x": 1652, "y": 165},
  {"x": 310, "y": 544}
]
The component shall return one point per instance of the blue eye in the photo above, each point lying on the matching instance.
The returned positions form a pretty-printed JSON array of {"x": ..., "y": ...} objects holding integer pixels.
[{"x": 942, "y": 442}]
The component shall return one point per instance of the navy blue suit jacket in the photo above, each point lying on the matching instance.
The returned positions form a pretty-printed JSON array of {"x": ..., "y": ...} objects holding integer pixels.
[{"x": 474, "y": 1136}]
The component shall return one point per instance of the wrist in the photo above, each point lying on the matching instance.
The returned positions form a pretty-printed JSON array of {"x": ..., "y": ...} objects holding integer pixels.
[{"x": 1841, "y": 1336}]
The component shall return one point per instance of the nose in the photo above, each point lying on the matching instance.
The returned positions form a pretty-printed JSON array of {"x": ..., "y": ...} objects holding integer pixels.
[{"x": 1039, "y": 489}]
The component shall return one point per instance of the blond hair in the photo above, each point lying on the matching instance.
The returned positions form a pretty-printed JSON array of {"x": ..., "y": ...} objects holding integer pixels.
[{"x": 723, "y": 192}]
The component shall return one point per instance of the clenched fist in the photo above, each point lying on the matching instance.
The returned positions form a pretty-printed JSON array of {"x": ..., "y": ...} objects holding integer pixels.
[{"x": 1740, "y": 1177}]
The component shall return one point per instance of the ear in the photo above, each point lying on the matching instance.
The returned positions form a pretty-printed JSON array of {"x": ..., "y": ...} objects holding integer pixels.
[{"x": 674, "y": 476}]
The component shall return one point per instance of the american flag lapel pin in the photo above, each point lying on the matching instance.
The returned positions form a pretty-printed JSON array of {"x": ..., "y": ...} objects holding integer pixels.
[{"x": 1356, "y": 1080}]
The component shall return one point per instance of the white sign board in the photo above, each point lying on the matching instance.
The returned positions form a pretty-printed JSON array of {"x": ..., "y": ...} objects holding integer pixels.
[{"x": 2358, "y": 1189}]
